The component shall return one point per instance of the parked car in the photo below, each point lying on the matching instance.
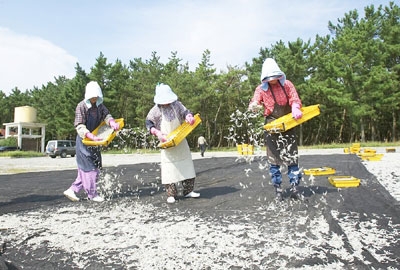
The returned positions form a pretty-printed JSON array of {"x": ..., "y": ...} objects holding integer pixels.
[
  {"x": 61, "y": 148},
  {"x": 8, "y": 148}
]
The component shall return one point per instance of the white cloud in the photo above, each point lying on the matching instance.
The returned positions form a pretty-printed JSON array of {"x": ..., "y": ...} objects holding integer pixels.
[{"x": 28, "y": 61}]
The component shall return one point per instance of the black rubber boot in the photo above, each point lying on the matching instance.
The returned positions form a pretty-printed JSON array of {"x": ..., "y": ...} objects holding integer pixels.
[{"x": 294, "y": 192}]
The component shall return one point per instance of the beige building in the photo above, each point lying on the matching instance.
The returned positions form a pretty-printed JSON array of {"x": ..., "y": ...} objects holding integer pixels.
[{"x": 30, "y": 134}]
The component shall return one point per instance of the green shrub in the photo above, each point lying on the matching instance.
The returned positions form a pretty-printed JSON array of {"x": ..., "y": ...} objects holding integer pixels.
[{"x": 12, "y": 141}]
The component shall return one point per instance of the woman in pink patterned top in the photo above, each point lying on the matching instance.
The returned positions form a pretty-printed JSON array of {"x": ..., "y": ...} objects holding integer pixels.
[{"x": 278, "y": 97}]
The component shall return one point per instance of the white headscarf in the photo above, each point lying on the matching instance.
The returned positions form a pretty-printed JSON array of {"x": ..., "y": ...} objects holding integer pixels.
[
  {"x": 93, "y": 90},
  {"x": 271, "y": 71}
]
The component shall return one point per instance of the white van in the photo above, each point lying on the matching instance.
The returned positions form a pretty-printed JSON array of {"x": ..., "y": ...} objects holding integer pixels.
[{"x": 61, "y": 148}]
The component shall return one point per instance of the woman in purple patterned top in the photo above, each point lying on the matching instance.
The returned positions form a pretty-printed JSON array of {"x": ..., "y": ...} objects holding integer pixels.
[{"x": 89, "y": 113}]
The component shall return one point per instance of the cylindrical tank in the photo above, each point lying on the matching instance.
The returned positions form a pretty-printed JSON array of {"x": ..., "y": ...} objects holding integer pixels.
[{"x": 25, "y": 114}]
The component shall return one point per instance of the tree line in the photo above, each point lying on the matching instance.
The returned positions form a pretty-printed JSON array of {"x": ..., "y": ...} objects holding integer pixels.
[{"x": 353, "y": 73}]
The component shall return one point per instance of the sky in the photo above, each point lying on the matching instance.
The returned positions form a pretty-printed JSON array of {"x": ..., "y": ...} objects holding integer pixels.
[{"x": 43, "y": 39}]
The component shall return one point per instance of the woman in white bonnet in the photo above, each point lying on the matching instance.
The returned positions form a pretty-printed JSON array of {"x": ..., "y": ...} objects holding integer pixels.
[
  {"x": 89, "y": 113},
  {"x": 278, "y": 97},
  {"x": 176, "y": 162}
]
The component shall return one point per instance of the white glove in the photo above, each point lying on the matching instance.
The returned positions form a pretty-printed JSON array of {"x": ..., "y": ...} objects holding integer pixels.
[{"x": 254, "y": 107}]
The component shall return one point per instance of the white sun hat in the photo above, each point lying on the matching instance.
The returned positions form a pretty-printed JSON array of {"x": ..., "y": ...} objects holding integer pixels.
[
  {"x": 164, "y": 94},
  {"x": 271, "y": 71}
]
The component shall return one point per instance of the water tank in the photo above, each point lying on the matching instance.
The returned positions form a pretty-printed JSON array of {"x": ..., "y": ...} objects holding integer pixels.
[{"x": 25, "y": 114}]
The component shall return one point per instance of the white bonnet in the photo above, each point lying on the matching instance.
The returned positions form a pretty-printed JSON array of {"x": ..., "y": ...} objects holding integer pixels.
[
  {"x": 164, "y": 94},
  {"x": 93, "y": 90},
  {"x": 271, "y": 71}
]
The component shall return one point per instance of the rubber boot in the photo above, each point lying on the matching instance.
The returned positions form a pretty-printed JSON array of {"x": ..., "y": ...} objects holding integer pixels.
[
  {"x": 278, "y": 193},
  {"x": 294, "y": 178},
  {"x": 294, "y": 192}
]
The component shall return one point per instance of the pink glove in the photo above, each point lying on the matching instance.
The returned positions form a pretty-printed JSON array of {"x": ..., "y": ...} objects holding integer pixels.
[
  {"x": 114, "y": 125},
  {"x": 93, "y": 137},
  {"x": 189, "y": 119},
  {"x": 161, "y": 136},
  {"x": 296, "y": 112}
]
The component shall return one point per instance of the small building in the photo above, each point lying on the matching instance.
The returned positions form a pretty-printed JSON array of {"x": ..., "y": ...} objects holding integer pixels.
[{"x": 30, "y": 134}]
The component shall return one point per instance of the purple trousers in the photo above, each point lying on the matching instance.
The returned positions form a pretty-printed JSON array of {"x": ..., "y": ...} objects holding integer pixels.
[{"x": 87, "y": 181}]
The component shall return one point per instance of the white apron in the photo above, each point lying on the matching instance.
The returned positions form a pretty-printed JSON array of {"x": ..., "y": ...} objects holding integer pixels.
[{"x": 176, "y": 162}]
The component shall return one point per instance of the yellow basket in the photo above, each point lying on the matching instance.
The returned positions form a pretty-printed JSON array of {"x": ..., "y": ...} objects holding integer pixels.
[
  {"x": 250, "y": 149},
  {"x": 105, "y": 132},
  {"x": 344, "y": 181},
  {"x": 376, "y": 157},
  {"x": 320, "y": 171},
  {"x": 287, "y": 121},
  {"x": 245, "y": 149},
  {"x": 356, "y": 145},
  {"x": 355, "y": 150},
  {"x": 180, "y": 133},
  {"x": 240, "y": 149},
  {"x": 369, "y": 151}
]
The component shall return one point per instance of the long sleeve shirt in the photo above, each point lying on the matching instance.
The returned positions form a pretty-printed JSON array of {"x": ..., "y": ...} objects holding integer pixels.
[
  {"x": 266, "y": 99},
  {"x": 175, "y": 109}
]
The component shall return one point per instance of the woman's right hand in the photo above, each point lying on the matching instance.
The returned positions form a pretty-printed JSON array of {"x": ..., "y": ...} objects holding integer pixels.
[
  {"x": 254, "y": 107},
  {"x": 161, "y": 136},
  {"x": 93, "y": 137}
]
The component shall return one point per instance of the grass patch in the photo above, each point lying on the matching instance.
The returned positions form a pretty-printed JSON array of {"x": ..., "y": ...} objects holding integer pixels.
[
  {"x": 21, "y": 154},
  {"x": 346, "y": 145}
]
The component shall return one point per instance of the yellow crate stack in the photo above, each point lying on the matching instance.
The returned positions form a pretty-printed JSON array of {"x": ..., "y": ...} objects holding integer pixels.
[
  {"x": 245, "y": 149},
  {"x": 366, "y": 154}
]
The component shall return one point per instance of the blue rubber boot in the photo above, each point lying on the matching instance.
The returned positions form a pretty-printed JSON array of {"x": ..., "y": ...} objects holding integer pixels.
[
  {"x": 276, "y": 177},
  {"x": 294, "y": 179}
]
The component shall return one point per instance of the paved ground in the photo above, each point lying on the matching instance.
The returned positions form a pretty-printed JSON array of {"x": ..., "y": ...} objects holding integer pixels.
[{"x": 236, "y": 224}]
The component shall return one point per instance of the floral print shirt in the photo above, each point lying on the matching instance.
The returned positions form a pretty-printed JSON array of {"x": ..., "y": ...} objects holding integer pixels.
[{"x": 171, "y": 111}]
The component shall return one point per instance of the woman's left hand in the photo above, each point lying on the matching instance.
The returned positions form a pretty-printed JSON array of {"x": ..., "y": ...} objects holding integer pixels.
[
  {"x": 114, "y": 125},
  {"x": 189, "y": 119}
]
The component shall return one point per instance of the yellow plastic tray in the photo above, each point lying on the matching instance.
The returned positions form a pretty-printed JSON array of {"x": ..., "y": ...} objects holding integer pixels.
[
  {"x": 344, "y": 181},
  {"x": 287, "y": 122},
  {"x": 376, "y": 157},
  {"x": 369, "y": 151},
  {"x": 105, "y": 132},
  {"x": 355, "y": 150},
  {"x": 320, "y": 171},
  {"x": 180, "y": 133}
]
